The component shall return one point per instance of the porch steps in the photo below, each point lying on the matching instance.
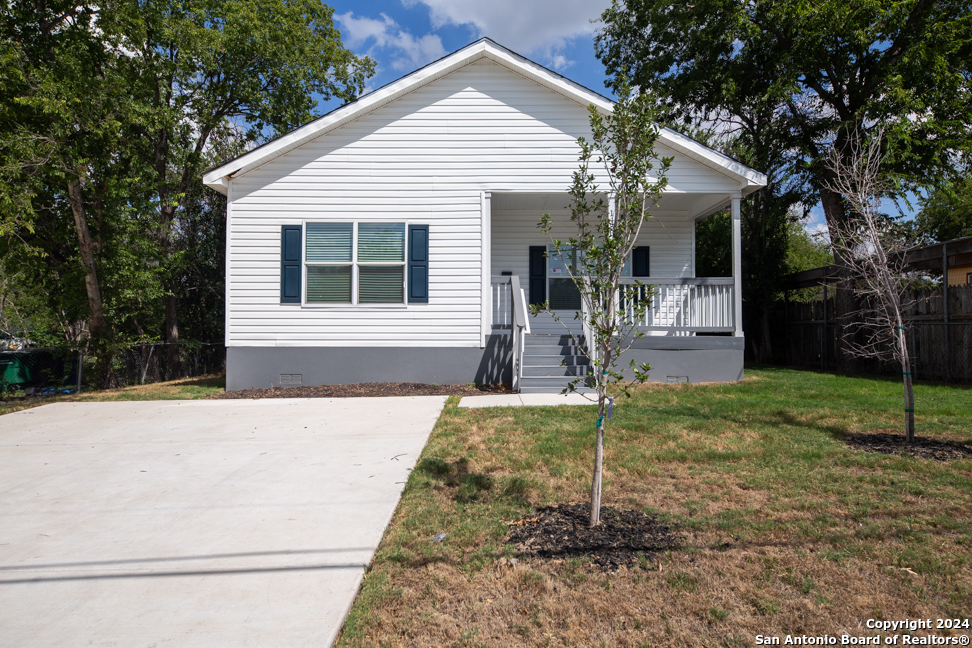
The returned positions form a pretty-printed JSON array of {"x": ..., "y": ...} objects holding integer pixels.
[{"x": 550, "y": 362}]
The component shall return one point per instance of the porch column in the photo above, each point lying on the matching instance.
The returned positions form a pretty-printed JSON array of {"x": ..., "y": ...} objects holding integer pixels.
[
  {"x": 737, "y": 264},
  {"x": 487, "y": 270}
]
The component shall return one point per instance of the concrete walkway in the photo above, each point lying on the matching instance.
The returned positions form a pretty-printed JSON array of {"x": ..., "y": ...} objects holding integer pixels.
[
  {"x": 197, "y": 523},
  {"x": 526, "y": 400}
]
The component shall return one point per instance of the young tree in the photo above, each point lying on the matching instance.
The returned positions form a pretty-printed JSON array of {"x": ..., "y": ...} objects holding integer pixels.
[
  {"x": 874, "y": 251},
  {"x": 608, "y": 220}
]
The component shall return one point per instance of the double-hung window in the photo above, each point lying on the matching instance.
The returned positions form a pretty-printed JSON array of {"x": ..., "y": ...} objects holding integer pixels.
[{"x": 355, "y": 263}]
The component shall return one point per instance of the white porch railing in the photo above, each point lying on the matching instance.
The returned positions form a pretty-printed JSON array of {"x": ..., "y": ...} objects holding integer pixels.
[
  {"x": 520, "y": 325},
  {"x": 679, "y": 306},
  {"x": 682, "y": 306},
  {"x": 502, "y": 302}
]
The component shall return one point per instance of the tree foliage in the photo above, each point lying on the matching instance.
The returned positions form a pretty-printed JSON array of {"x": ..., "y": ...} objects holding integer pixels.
[
  {"x": 788, "y": 80},
  {"x": 608, "y": 220},
  {"x": 946, "y": 213},
  {"x": 109, "y": 113}
]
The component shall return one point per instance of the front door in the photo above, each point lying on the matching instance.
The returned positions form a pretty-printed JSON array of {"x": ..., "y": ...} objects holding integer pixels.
[{"x": 563, "y": 292}]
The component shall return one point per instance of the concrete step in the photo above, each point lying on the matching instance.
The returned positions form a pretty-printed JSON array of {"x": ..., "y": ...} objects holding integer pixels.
[
  {"x": 555, "y": 361},
  {"x": 548, "y": 371},
  {"x": 553, "y": 352},
  {"x": 535, "y": 339},
  {"x": 529, "y": 388},
  {"x": 550, "y": 384}
]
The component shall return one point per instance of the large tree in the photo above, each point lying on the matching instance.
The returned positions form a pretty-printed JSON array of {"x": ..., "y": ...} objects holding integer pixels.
[
  {"x": 794, "y": 77},
  {"x": 193, "y": 65},
  {"x": 108, "y": 115},
  {"x": 826, "y": 68},
  {"x": 946, "y": 212}
]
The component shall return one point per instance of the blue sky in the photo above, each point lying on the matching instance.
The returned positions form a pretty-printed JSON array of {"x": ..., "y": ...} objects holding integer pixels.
[{"x": 404, "y": 35}]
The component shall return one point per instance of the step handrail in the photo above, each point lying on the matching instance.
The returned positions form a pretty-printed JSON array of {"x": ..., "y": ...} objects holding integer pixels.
[{"x": 520, "y": 328}]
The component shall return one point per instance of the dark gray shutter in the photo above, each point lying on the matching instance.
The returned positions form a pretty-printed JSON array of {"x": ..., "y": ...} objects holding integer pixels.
[
  {"x": 640, "y": 266},
  {"x": 418, "y": 264},
  {"x": 538, "y": 274},
  {"x": 290, "y": 253}
]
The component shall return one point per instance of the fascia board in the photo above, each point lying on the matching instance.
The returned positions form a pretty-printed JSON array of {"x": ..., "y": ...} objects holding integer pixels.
[{"x": 749, "y": 179}]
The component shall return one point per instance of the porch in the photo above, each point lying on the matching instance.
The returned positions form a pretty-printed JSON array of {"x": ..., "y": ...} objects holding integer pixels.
[{"x": 685, "y": 313}]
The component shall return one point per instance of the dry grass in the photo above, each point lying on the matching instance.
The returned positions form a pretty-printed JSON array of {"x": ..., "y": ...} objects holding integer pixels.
[
  {"x": 789, "y": 531},
  {"x": 182, "y": 389}
]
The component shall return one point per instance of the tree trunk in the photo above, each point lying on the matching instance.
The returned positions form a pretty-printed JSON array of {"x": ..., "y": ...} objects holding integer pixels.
[
  {"x": 909, "y": 393},
  {"x": 171, "y": 303},
  {"x": 172, "y": 336},
  {"x": 835, "y": 214},
  {"x": 599, "y": 440},
  {"x": 598, "y": 464},
  {"x": 86, "y": 245}
]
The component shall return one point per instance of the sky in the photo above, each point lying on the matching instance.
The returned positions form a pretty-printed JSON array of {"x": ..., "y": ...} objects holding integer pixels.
[{"x": 404, "y": 35}]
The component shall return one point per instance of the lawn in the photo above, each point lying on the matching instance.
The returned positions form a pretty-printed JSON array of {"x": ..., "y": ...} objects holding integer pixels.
[
  {"x": 182, "y": 389},
  {"x": 788, "y": 531}
]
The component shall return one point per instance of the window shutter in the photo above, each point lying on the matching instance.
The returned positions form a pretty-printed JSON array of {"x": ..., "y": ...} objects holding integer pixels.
[
  {"x": 538, "y": 274},
  {"x": 641, "y": 265},
  {"x": 290, "y": 251},
  {"x": 418, "y": 264}
]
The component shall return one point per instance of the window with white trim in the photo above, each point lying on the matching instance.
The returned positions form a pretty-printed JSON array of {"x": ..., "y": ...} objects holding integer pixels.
[{"x": 355, "y": 263}]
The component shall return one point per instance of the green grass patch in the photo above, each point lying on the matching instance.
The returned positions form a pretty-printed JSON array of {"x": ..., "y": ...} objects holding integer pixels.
[{"x": 757, "y": 473}]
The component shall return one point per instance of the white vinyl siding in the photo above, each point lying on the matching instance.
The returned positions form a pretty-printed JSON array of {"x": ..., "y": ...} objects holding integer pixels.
[
  {"x": 423, "y": 158},
  {"x": 670, "y": 236}
]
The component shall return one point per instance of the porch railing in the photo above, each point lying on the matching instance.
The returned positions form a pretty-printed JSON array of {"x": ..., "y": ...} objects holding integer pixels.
[
  {"x": 683, "y": 305},
  {"x": 520, "y": 324},
  {"x": 502, "y": 302}
]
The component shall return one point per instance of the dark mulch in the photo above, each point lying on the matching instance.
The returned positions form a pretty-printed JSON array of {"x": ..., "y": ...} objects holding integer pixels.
[
  {"x": 366, "y": 389},
  {"x": 922, "y": 447},
  {"x": 562, "y": 531}
]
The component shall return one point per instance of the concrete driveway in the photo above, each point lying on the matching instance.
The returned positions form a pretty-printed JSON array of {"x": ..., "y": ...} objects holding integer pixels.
[{"x": 197, "y": 523}]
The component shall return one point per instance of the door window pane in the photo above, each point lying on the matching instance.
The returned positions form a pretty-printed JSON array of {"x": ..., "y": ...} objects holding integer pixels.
[
  {"x": 564, "y": 295},
  {"x": 329, "y": 241},
  {"x": 381, "y": 284},
  {"x": 379, "y": 242},
  {"x": 328, "y": 284}
]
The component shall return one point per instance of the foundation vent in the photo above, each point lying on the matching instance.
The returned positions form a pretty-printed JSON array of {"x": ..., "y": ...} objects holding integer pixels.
[{"x": 291, "y": 379}]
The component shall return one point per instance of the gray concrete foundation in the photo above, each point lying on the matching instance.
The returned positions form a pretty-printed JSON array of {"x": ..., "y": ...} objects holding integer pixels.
[
  {"x": 693, "y": 359},
  {"x": 263, "y": 367},
  {"x": 673, "y": 359}
]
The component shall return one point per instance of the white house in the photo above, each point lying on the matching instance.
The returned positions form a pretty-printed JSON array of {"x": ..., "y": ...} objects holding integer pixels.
[{"x": 389, "y": 240}]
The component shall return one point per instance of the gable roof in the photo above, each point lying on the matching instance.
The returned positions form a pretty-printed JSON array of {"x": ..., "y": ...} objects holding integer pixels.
[{"x": 218, "y": 178}]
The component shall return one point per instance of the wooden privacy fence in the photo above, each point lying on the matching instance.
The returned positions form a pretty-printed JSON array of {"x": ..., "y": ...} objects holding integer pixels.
[{"x": 939, "y": 335}]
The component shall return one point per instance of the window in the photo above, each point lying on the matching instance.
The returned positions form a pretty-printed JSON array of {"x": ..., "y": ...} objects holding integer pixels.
[
  {"x": 563, "y": 293},
  {"x": 355, "y": 263}
]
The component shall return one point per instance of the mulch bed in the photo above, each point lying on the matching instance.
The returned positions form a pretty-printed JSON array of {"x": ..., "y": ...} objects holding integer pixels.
[
  {"x": 562, "y": 531},
  {"x": 366, "y": 389},
  {"x": 921, "y": 447}
]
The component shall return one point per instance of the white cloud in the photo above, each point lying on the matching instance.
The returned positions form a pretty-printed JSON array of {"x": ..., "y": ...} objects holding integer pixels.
[
  {"x": 408, "y": 52},
  {"x": 540, "y": 28}
]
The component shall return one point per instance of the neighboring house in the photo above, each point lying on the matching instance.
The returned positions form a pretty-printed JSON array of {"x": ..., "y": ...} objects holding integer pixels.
[{"x": 386, "y": 240}]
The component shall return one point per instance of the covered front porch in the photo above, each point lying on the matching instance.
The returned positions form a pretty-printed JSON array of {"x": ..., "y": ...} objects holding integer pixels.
[{"x": 686, "y": 313}]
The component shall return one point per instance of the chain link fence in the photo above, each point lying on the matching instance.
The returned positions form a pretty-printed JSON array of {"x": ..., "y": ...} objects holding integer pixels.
[{"x": 52, "y": 370}]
